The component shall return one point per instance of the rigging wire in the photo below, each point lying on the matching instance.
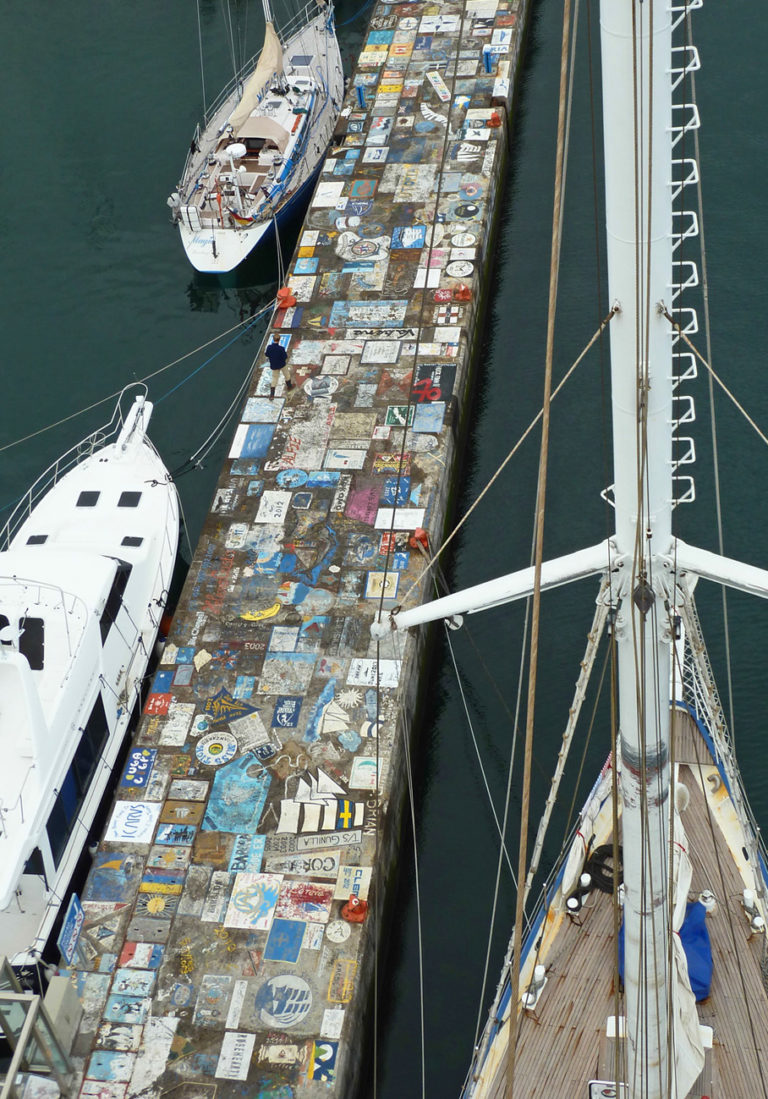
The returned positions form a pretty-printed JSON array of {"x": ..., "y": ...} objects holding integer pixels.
[
  {"x": 406, "y": 731},
  {"x": 539, "y": 536},
  {"x": 245, "y": 325},
  {"x": 195, "y": 460},
  {"x": 691, "y": 628},
  {"x": 508, "y": 801},
  {"x": 476, "y": 746},
  {"x": 226, "y": 9},
  {"x": 447, "y": 541},
  {"x": 712, "y": 414},
  {"x": 715, "y": 376},
  {"x": 200, "y": 47},
  {"x": 357, "y": 14}
]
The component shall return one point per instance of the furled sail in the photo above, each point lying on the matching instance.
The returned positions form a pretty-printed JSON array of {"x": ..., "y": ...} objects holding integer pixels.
[
  {"x": 270, "y": 64},
  {"x": 688, "y": 1048}
]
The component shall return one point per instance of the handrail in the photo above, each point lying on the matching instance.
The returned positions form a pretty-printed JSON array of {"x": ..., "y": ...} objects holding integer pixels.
[
  {"x": 97, "y": 440},
  {"x": 297, "y": 22}
]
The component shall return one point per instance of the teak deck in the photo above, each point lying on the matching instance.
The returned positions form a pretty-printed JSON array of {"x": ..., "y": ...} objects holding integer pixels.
[{"x": 560, "y": 1043}]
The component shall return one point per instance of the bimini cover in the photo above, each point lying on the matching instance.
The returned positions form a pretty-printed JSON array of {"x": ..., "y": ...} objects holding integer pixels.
[
  {"x": 260, "y": 125},
  {"x": 270, "y": 64},
  {"x": 694, "y": 936}
]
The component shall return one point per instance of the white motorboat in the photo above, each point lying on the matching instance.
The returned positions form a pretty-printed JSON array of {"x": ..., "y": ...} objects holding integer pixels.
[
  {"x": 640, "y": 970},
  {"x": 86, "y": 562},
  {"x": 255, "y": 157}
]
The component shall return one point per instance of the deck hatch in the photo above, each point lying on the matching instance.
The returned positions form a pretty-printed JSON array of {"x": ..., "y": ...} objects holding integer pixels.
[
  {"x": 88, "y": 499},
  {"x": 32, "y": 642},
  {"x": 129, "y": 500},
  {"x": 37, "y": 539}
]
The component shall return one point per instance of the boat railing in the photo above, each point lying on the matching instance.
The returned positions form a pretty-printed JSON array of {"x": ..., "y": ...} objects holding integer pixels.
[
  {"x": 701, "y": 690},
  {"x": 286, "y": 31},
  {"x": 502, "y": 996},
  {"x": 11, "y": 809},
  {"x": 97, "y": 440}
]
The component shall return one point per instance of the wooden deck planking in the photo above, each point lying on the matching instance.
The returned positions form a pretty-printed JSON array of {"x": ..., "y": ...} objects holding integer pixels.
[{"x": 559, "y": 1045}]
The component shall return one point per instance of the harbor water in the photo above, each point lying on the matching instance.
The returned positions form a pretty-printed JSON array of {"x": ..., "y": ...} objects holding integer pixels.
[{"x": 102, "y": 102}]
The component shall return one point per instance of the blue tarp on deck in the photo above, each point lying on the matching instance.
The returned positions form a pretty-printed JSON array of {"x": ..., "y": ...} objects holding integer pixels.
[{"x": 694, "y": 936}]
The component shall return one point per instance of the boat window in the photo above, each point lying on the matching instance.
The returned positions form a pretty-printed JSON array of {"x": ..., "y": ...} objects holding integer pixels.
[
  {"x": 32, "y": 642},
  {"x": 115, "y": 598},
  {"x": 301, "y": 60},
  {"x": 84, "y": 763},
  {"x": 3, "y": 623},
  {"x": 71, "y": 796},
  {"x": 37, "y": 539},
  {"x": 96, "y": 728},
  {"x": 88, "y": 499},
  {"x": 63, "y": 815},
  {"x": 34, "y": 864},
  {"x": 129, "y": 500},
  {"x": 131, "y": 540}
]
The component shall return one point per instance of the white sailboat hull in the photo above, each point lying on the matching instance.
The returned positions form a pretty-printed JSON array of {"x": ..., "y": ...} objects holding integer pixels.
[{"x": 226, "y": 206}]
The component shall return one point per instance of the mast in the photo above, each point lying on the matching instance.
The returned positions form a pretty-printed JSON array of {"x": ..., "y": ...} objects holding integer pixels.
[{"x": 636, "y": 39}]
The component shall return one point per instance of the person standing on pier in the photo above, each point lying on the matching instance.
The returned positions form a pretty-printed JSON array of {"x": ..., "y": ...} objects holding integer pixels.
[{"x": 278, "y": 357}]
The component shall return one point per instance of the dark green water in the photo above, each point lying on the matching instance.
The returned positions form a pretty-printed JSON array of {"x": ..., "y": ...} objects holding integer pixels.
[{"x": 99, "y": 103}]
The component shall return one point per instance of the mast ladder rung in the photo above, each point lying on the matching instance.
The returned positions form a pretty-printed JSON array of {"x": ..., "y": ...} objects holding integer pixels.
[
  {"x": 692, "y": 65},
  {"x": 681, "y": 284},
  {"x": 688, "y": 411},
  {"x": 688, "y": 455},
  {"x": 687, "y": 372},
  {"x": 692, "y": 123},
  {"x": 607, "y": 494},
  {"x": 682, "y": 10},
  {"x": 686, "y": 164},
  {"x": 681, "y": 231},
  {"x": 689, "y": 494},
  {"x": 691, "y": 326}
]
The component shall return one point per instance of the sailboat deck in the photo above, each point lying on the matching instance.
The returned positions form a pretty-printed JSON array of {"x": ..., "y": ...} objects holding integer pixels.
[{"x": 561, "y": 1042}]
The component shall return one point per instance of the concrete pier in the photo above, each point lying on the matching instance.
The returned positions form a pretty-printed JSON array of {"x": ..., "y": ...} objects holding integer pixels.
[{"x": 230, "y": 914}]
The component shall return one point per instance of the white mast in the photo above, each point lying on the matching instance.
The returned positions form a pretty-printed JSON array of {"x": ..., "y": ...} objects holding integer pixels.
[
  {"x": 636, "y": 41},
  {"x": 645, "y": 563}
]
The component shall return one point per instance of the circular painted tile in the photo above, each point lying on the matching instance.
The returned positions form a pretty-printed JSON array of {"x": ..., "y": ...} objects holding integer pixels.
[
  {"x": 323, "y": 385},
  {"x": 463, "y": 240},
  {"x": 471, "y": 190},
  {"x": 365, "y": 248},
  {"x": 460, "y": 269},
  {"x": 467, "y": 210},
  {"x": 338, "y": 931},
  {"x": 283, "y": 1001},
  {"x": 215, "y": 749}
]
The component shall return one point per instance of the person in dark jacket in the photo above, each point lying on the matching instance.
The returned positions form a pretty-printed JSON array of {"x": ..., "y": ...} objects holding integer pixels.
[{"x": 278, "y": 357}]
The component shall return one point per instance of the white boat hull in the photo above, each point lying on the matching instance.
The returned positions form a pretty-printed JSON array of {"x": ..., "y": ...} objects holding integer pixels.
[
  {"x": 225, "y": 207},
  {"x": 84, "y": 580}
]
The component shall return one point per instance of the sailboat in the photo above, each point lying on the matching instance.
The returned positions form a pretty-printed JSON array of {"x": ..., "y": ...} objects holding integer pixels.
[
  {"x": 254, "y": 159},
  {"x": 640, "y": 970},
  {"x": 86, "y": 564}
]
